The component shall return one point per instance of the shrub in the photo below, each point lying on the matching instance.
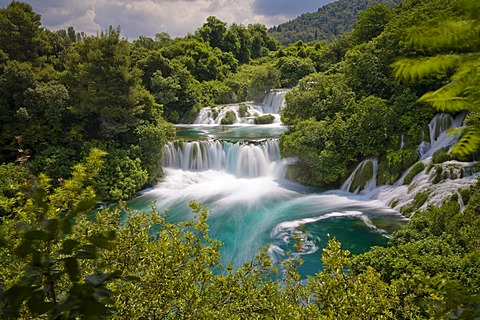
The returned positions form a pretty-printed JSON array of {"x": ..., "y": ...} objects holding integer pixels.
[
  {"x": 229, "y": 118},
  {"x": 266, "y": 119}
]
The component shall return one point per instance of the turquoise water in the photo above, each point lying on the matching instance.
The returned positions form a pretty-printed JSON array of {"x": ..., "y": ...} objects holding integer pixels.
[{"x": 247, "y": 213}]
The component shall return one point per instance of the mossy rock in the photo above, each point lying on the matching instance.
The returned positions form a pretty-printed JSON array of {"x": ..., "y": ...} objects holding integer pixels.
[
  {"x": 414, "y": 170},
  {"x": 362, "y": 176},
  {"x": 243, "y": 110},
  {"x": 230, "y": 118},
  {"x": 266, "y": 119},
  {"x": 441, "y": 156}
]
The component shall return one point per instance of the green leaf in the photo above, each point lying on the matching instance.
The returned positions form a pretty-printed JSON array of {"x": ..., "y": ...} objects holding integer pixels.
[
  {"x": 39, "y": 306},
  {"x": 71, "y": 264},
  {"x": 24, "y": 248},
  {"x": 86, "y": 252},
  {"x": 102, "y": 241},
  {"x": 37, "y": 235},
  {"x": 51, "y": 225},
  {"x": 68, "y": 246}
]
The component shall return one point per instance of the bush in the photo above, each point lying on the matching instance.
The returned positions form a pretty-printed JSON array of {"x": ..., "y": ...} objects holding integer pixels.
[
  {"x": 266, "y": 119},
  {"x": 229, "y": 118},
  {"x": 441, "y": 156},
  {"x": 243, "y": 110}
]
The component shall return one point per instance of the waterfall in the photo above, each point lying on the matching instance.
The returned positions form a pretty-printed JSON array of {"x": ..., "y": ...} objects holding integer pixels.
[
  {"x": 242, "y": 159},
  {"x": 246, "y": 112},
  {"x": 438, "y": 134},
  {"x": 274, "y": 101},
  {"x": 363, "y": 178}
]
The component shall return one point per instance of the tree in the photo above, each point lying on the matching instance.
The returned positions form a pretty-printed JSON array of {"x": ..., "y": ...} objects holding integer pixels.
[
  {"x": 453, "y": 45},
  {"x": 318, "y": 96},
  {"x": 213, "y": 32},
  {"x": 105, "y": 89},
  {"x": 293, "y": 69},
  {"x": 371, "y": 22},
  {"x": 20, "y": 32}
]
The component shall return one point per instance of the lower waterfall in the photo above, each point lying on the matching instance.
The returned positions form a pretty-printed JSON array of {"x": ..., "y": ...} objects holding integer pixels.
[{"x": 241, "y": 181}]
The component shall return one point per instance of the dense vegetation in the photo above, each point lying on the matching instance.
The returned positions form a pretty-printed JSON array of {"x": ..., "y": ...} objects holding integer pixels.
[
  {"x": 329, "y": 22},
  {"x": 61, "y": 262},
  {"x": 84, "y": 118},
  {"x": 354, "y": 108}
]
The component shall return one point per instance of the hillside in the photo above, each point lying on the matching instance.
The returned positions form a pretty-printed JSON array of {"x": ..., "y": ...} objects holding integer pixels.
[{"x": 328, "y": 22}]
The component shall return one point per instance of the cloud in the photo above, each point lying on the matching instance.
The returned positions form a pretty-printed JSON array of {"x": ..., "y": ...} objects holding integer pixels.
[{"x": 176, "y": 17}]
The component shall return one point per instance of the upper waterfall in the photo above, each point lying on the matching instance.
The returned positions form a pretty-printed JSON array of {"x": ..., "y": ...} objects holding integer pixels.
[
  {"x": 245, "y": 113},
  {"x": 439, "y": 137}
]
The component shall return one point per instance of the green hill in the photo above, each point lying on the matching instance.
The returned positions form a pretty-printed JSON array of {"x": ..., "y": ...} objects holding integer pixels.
[{"x": 328, "y": 22}]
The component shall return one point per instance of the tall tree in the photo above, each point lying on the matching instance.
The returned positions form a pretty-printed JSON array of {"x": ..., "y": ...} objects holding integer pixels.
[
  {"x": 104, "y": 86},
  {"x": 20, "y": 32}
]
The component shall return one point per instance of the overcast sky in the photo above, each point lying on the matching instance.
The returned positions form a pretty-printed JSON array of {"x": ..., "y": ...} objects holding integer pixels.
[{"x": 176, "y": 17}]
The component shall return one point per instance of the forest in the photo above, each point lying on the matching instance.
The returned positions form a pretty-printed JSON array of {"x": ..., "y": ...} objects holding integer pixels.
[{"x": 84, "y": 119}]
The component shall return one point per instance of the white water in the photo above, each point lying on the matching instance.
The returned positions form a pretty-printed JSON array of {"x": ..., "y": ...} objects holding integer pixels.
[
  {"x": 253, "y": 206},
  {"x": 454, "y": 174},
  {"x": 272, "y": 103},
  {"x": 358, "y": 175},
  {"x": 241, "y": 159}
]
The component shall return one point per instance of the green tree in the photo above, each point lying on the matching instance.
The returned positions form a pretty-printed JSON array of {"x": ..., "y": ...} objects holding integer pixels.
[
  {"x": 20, "y": 32},
  {"x": 292, "y": 69},
  {"x": 104, "y": 87},
  {"x": 371, "y": 22},
  {"x": 43, "y": 272},
  {"x": 317, "y": 96},
  {"x": 213, "y": 32}
]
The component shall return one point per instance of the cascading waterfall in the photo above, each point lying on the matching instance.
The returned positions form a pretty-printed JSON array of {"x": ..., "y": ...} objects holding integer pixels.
[
  {"x": 272, "y": 103},
  {"x": 439, "y": 181},
  {"x": 438, "y": 134},
  {"x": 363, "y": 178},
  {"x": 242, "y": 159}
]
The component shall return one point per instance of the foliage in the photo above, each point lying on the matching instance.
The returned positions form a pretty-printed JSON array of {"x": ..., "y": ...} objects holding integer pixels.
[
  {"x": 396, "y": 162},
  {"x": 327, "y": 23},
  {"x": 321, "y": 151},
  {"x": 44, "y": 273},
  {"x": 439, "y": 243},
  {"x": 452, "y": 47},
  {"x": 414, "y": 170},
  {"x": 441, "y": 156},
  {"x": 105, "y": 90},
  {"x": 318, "y": 96},
  {"x": 266, "y": 119},
  {"x": 20, "y": 35},
  {"x": 229, "y": 118},
  {"x": 293, "y": 69}
]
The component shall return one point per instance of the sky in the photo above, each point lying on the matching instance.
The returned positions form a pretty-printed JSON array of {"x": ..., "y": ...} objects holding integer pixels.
[{"x": 176, "y": 17}]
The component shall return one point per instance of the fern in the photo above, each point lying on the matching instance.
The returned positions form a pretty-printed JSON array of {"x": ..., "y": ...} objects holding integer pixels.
[
  {"x": 468, "y": 143},
  {"x": 458, "y": 43}
]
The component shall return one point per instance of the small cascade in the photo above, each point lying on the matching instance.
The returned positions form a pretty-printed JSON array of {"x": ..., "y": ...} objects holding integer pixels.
[
  {"x": 245, "y": 113},
  {"x": 274, "y": 101},
  {"x": 242, "y": 159},
  {"x": 438, "y": 134},
  {"x": 363, "y": 178}
]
